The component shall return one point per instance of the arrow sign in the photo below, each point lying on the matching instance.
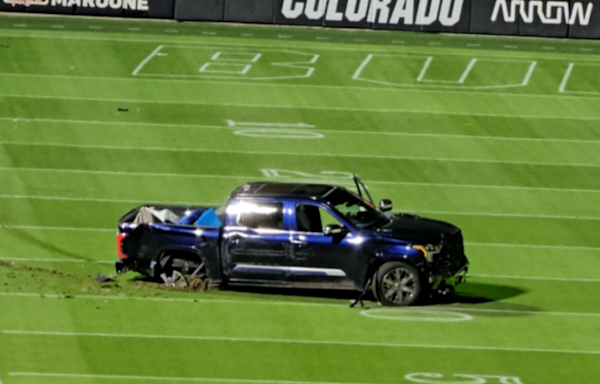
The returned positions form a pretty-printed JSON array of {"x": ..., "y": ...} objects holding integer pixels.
[{"x": 232, "y": 123}]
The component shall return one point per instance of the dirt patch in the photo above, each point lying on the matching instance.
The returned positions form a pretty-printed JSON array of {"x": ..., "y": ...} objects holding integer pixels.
[
  {"x": 11, "y": 265},
  {"x": 195, "y": 284}
]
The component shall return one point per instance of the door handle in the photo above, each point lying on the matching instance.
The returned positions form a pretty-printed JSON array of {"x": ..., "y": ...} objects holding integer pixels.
[{"x": 298, "y": 242}]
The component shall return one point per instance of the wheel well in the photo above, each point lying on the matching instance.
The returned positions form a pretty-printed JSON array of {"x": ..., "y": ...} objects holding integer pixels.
[{"x": 181, "y": 260}]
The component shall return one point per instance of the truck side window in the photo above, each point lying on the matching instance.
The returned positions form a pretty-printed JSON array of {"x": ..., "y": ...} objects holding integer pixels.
[
  {"x": 310, "y": 218},
  {"x": 261, "y": 215}
]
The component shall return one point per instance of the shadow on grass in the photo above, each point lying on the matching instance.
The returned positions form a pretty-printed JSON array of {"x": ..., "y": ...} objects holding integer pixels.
[{"x": 474, "y": 298}]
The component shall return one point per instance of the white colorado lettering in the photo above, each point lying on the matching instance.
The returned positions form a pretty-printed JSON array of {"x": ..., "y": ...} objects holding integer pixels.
[
  {"x": 315, "y": 9},
  {"x": 381, "y": 7},
  {"x": 355, "y": 15},
  {"x": 115, "y": 4},
  {"x": 404, "y": 9},
  {"x": 449, "y": 18},
  {"x": 289, "y": 12},
  {"x": 427, "y": 16},
  {"x": 332, "y": 12}
]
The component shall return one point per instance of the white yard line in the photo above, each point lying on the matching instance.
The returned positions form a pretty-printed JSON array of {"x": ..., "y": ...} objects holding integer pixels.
[
  {"x": 46, "y": 228},
  {"x": 300, "y": 107},
  {"x": 490, "y": 214},
  {"x": 93, "y": 200},
  {"x": 467, "y": 70},
  {"x": 146, "y": 60},
  {"x": 25, "y": 120},
  {"x": 424, "y": 69},
  {"x": 362, "y": 66},
  {"x": 302, "y": 342},
  {"x": 378, "y": 182},
  {"x": 529, "y": 73},
  {"x": 300, "y": 154},
  {"x": 574, "y": 248},
  {"x": 565, "y": 79},
  {"x": 163, "y": 378},
  {"x": 567, "y": 279},
  {"x": 48, "y": 260}
]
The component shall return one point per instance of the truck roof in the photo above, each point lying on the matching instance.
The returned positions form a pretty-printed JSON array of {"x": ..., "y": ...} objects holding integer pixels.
[{"x": 270, "y": 189}]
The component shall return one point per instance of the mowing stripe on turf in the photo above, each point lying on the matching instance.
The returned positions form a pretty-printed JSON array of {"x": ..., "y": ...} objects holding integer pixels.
[
  {"x": 302, "y": 154},
  {"x": 102, "y": 200},
  {"x": 258, "y": 178},
  {"x": 418, "y": 211},
  {"x": 337, "y": 132},
  {"x": 255, "y": 82},
  {"x": 88, "y": 229},
  {"x": 198, "y": 299},
  {"x": 541, "y": 278},
  {"x": 309, "y": 107},
  {"x": 302, "y": 342},
  {"x": 392, "y": 49}
]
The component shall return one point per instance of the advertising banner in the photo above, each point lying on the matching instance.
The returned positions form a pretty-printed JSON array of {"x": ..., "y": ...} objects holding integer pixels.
[
  {"x": 584, "y": 19},
  {"x": 160, "y": 9},
  {"x": 199, "y": 10},
  {"x": 423, "y": 15},
  {"x": 415, "y": 15},
  {"x": 300, "y": 12},
  {"x": 249, "y": 11},
  {"x": 547, "y": 18}
]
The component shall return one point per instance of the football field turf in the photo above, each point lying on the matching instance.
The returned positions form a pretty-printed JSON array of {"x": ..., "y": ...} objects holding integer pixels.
[{"x": 499, "y": 136}]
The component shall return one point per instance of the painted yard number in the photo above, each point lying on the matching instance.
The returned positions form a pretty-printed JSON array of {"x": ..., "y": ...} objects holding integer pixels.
[
  {"x": 274, "y": 130},
  {"x": 232, "y": 63},
  {"x": 438, "y": 378}
]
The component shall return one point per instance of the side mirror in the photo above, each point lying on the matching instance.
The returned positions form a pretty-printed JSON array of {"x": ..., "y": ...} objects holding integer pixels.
[
  {"x": 385, "y": 205},
  {"x": 333, "y": 229}
]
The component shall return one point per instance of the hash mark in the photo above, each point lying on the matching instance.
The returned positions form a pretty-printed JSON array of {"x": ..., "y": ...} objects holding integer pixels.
[
  {"x": 58, "y": 26},
  {"x": 209, "y": 33},
  {"x": 171, "y": 31},
  {"x": 435, "y": 43},
  {"x": 284, "y": 36},
  {"x": 133, "y": 29},
  {"x": 94, "y": 27},
  {"x": 473, "y": 45},
  {"x": 510, "y": 46}
]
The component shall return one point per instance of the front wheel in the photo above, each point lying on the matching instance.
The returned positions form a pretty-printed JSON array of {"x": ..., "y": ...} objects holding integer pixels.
[{"x": 398, "y": 284}]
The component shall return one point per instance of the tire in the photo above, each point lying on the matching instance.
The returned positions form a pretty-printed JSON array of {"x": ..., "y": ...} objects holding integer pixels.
[
  {"x": 398, "y": 284},
  {"x": 374, "y": 286}
]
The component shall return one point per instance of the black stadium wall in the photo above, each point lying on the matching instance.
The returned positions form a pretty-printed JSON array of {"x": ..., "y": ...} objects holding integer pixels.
[{"x": 547, "y": 18}]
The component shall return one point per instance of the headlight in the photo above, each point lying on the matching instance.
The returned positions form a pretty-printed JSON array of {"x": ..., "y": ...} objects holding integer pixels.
[{"x": 428, "y": 250}]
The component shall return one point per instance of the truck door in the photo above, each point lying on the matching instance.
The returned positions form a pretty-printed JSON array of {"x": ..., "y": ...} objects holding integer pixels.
[
  {"x": 321, "y": 259},
  {"x": 256, "y": 244}
]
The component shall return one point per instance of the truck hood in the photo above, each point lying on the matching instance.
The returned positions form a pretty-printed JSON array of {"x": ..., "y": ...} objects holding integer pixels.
[{"x": 412, "y": 228}]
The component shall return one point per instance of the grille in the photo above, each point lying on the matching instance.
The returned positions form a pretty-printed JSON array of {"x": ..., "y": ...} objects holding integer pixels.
[{"x": 452, "y": 258}]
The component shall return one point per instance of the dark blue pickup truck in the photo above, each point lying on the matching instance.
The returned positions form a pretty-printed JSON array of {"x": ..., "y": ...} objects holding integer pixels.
[{"x": 296, "y": 235}]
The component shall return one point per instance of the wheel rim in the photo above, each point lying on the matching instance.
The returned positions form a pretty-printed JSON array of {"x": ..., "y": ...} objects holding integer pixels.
[{"x": 399, "y": 286}]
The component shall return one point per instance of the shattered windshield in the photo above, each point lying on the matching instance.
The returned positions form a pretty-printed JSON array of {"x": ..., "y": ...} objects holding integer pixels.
[{"x": 360, "y": 212}]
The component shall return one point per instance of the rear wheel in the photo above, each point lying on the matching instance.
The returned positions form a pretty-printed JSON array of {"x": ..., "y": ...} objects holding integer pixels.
[
  {"x": 398, "y": 284},
  {"x": 182, "y": 273}
]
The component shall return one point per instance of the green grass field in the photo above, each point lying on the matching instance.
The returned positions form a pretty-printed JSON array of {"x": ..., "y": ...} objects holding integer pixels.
[{"x": 497, "y": 135}]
